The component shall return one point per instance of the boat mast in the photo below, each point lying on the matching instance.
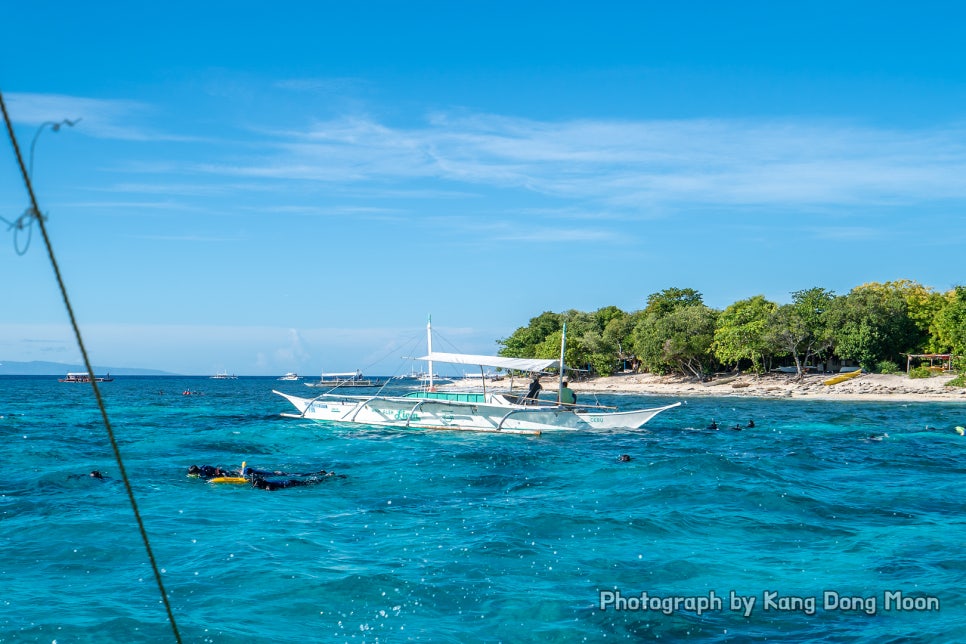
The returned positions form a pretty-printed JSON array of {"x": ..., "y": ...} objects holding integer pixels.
[
  {"x": 563, "y": 344},
  {"x": 429, "y": 347}
]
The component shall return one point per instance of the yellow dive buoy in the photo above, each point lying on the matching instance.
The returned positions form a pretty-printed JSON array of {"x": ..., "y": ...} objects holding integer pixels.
[
  {"x": 228, "y": 479},
  {"x": 231, "y": 479}
]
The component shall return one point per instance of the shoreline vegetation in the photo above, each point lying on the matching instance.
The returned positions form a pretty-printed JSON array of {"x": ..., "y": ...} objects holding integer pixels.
[
  {"x": 865, "y": 387},
  {"x": 878, "y": 327}
]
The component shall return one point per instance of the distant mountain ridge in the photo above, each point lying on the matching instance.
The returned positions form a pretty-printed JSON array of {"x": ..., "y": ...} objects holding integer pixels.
[{"x": 40, "y": 368}]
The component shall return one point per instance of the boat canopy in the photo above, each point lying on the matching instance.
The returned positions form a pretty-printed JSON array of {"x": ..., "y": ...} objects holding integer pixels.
[{"x": 499, "y": 362}]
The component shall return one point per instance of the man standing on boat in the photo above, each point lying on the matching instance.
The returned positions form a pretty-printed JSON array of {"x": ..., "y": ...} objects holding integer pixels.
[{"x": 534, "y": 390}]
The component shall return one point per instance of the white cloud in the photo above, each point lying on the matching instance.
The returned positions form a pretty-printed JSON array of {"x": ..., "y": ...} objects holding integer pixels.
[
  {"x": 100, "y": 118},
  {"x": 634, "y": 163},
  {"x": 628, "y": 165}
]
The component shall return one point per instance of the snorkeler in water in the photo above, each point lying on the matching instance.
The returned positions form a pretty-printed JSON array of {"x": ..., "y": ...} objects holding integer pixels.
[
  {"x": 270, "y": 481},
  {"x": 262, "y": 479},
  {"x": 209, "y": 472},
  {"x": 95, "y": 474}
]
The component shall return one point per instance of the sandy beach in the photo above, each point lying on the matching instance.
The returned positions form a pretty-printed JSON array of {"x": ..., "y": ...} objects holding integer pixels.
[{"x": 867, "y": 386}]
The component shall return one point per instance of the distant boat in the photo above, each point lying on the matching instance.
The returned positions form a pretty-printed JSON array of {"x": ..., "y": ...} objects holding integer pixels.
[
  {"x": 476, "y": 378},
  {"x": 85, "y": 377},
  {"x": 224, "y": 375},
  {"x": 347, "y": 379},
  {"x": 422, "y": 379},
  {"x": 291, "y": 375}
]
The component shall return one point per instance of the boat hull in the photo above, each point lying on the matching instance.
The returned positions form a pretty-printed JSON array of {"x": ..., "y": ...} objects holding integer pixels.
[{"x": 491, "y": 415}]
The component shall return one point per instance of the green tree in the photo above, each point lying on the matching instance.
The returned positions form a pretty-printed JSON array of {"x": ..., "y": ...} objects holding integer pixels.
[
  {"x": 523, "y": 342},
  {"x": 647, "y": 339},
  {"x": 742, "y": 332},
  {"x": 801, "y": 329},
  {"x": 872, "y": 323},
  {"x": 923, "y": 307},
  {"x": 661, "y": 303},
  {"x": 582, "y": 339},
  {"x": 617, "y": 334},
  {"x": 950, "y": 322},
  {"x": 688, "y": 332},
  {"x": 675, "y": 333}
]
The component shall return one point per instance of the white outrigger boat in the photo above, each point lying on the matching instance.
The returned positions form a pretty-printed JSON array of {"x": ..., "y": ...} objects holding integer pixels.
[
  {"x": 482, "y": 412},
  {"x": 469, "y": 411}
]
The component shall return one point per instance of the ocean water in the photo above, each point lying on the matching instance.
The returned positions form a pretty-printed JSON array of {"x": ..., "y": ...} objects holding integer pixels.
[{"x": 831, "y": 521}]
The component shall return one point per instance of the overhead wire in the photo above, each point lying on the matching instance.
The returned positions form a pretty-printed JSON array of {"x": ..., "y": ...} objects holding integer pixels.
[{"x": 34, "y": 211}]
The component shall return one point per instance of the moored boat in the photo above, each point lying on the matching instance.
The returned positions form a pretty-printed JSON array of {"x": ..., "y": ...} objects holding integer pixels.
[
  {"x": 85, "y": 377},
  {"x": 346, "y": 379},
  {"x": 484, "y": 411},
  {"x": 489, "y": 412}
]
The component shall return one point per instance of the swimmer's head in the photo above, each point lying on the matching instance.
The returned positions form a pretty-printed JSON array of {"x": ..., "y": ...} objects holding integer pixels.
[{"x": 97, "y": 475}]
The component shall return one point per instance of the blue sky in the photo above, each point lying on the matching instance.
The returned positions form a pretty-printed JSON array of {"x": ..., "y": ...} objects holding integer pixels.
[{"x": 272, "y": 187}]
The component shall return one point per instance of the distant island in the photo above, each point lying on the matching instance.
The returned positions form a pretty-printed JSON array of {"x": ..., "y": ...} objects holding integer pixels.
[{"x": 40, "y": 368}]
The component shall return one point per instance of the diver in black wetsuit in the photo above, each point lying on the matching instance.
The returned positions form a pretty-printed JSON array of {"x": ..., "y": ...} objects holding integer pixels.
[
  {"x": 95, "y": 474},
  {"x": 263, "y": 479},
  {"x": 266, "y": 484},
  {"x": 209, "y": 472},
  {"x": 259, "y": 479}
]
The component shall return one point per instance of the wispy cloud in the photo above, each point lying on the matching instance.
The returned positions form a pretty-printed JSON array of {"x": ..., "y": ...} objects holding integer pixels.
[
  {"x": 101, "y": 118},
  {"x": 847, "y": 233},
  {"x": 339, "y": 86},
  {"x": 606, "y": 165},
  {"x": 634, "y": 164}
]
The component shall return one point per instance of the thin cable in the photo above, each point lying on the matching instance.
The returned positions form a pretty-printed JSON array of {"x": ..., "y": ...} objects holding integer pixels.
[{"x": 90, "y": 370}]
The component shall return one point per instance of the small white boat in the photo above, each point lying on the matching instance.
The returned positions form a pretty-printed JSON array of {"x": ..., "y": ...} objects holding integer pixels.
[
  {"x": 84, "y": 377},
  {"x": 346, "y": 379},
  {"x": 422, "y": 379},
  {"x": 470, "y": 378},
  {"x": 224, "y": 375},
  {"x": 291, "y": 375}
]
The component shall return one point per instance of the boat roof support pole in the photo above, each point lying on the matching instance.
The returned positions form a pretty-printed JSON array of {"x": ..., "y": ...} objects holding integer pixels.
[{"x": 563, "y": 344}]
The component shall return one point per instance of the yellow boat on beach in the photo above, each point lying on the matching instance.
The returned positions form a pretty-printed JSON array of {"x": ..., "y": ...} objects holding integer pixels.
[{"x": 842, "y": 377}]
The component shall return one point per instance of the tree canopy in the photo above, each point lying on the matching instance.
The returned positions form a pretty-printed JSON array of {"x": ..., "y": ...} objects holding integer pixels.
[{"x": 676, "y": 332}]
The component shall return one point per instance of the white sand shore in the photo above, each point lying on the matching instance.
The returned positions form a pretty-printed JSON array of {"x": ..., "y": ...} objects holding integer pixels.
[{"x": 869, "y": 387}]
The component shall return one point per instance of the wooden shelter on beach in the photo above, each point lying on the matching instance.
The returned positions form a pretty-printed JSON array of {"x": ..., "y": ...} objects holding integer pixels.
[{"x": 945, "y": 360}]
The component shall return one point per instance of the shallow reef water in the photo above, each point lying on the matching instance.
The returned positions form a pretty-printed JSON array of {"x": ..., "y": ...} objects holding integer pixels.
[{"x": 832, "y": 521}]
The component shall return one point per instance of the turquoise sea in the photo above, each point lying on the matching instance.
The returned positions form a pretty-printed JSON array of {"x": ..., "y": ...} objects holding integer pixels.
[{"x": 828, "y": 521}]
